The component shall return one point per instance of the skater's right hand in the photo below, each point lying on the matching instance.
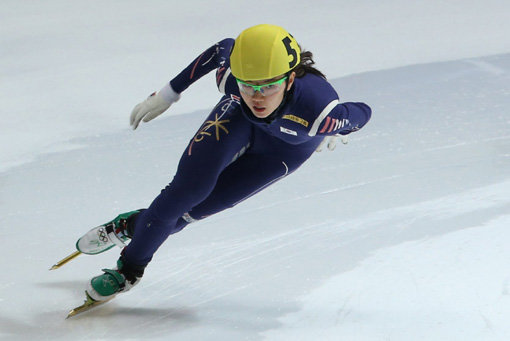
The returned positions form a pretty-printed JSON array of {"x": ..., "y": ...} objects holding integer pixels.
[{"x": 153, "y": 106}]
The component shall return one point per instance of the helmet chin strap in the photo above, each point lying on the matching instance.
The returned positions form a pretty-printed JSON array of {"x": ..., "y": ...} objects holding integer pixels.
[{"x": 276, "y": 113}]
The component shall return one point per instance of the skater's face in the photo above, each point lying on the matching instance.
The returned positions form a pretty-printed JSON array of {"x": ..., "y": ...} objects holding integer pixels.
[{"x": 265, "y": 95}]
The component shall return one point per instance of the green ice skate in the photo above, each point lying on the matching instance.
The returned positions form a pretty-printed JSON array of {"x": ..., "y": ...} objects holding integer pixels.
[
  {"x": 103, "y": 237},
  {"x": 114, "y": 281},
  {"x": 103, "y": 288}
]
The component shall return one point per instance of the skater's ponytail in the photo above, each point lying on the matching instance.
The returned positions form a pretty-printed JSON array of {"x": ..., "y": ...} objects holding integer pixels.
[{"x": 306, "y": 65}]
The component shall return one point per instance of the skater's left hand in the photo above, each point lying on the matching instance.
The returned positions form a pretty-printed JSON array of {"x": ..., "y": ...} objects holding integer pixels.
[{"x": 331, "y": 142}]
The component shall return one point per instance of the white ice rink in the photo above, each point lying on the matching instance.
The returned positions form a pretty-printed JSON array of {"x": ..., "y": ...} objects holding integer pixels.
[{"x": 402, "y": 234}]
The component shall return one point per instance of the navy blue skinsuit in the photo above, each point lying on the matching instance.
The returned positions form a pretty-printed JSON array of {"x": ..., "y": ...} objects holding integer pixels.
[{"x": 234, "y": 154}]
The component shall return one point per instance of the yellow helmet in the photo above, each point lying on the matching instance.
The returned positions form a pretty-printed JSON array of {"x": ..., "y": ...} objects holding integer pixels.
[{"x": 264, "y": 52}]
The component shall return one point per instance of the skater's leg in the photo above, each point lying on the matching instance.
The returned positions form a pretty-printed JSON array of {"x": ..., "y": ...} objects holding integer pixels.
[{"x": 221, "y": 137}]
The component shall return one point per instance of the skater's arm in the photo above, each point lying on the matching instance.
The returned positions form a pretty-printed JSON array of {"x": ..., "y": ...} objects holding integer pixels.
[
  {"x": 212, "y": 58},
  {"x": 341, "y": 118},
  {"x": 157, "y": 103}
]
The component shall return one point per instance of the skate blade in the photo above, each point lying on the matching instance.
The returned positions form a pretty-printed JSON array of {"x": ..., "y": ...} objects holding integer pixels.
[
  {"x": 87, "y": 305},
  {"x": 66, "y": 260}
]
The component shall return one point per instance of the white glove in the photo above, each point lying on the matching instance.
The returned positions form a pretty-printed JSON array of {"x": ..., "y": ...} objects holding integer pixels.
[
  {"x": 154, "y": 105},
  {"x": 331, "y": 140}
]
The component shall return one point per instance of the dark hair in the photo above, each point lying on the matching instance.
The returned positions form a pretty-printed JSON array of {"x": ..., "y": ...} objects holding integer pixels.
[{"x": 306, "y": 65}]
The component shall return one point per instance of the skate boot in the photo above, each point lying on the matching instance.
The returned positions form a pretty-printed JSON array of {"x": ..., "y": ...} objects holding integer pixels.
[
  {"x": 114, "y": 281},
  {"x": 104, "y": 237}
]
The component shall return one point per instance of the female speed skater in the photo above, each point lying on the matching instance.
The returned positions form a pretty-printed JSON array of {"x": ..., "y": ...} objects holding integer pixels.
[{"x": 276, "y": 110}]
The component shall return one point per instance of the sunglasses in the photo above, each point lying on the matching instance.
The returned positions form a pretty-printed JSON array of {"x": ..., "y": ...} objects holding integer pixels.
[{"x": 265, "y": 89}]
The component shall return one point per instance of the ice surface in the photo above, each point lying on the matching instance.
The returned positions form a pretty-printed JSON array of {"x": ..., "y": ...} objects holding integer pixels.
[{"x": 402, "y": 234}]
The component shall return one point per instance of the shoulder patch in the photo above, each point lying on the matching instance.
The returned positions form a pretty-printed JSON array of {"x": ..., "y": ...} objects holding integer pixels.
[{"x": 296, "y": 119}]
